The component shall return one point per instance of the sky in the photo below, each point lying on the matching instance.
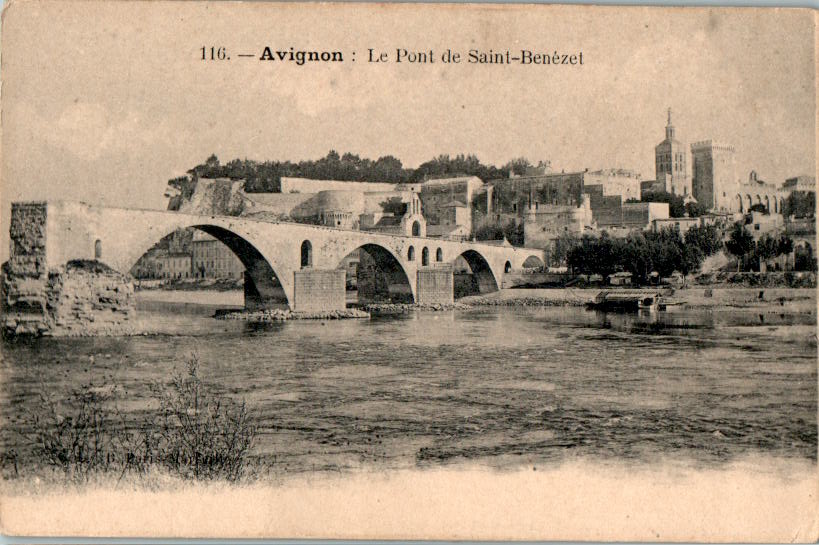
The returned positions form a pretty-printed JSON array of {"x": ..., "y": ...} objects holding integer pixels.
[{"x": 104, "y": 103}]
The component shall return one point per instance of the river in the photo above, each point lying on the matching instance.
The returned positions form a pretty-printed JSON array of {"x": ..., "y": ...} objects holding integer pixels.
[{"x": 500, "y": 387}]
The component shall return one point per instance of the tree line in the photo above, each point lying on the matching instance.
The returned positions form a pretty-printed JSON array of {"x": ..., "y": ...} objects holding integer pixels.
[
  {"x": 642, "y": 253},
  {"x": 750, "y": 253},
  {"x": 265, "y": 176}
]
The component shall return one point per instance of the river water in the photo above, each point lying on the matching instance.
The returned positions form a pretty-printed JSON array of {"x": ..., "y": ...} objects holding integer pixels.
[{"x": 501, "y": 387}]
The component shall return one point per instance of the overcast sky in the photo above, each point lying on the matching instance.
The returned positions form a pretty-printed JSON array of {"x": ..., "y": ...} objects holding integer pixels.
[{"x": 105, "y": 103}]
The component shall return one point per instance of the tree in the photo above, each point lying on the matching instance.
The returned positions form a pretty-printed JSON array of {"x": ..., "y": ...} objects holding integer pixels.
[
  {"x": 561, "y": 247},
  {"x": 395, "y": 206},
  {"x": 518, "y": 166},
  {"x": 691, "y": 260},
  {"x": 785, "y": 245},
  {"x": 758, "y": 207},
  {"x": 708, "y": 238},
  {"x": 637, "y": 257},
  {"x": 801, "y": 204},
  {"x": 740, "y": 243},
  {"x": 676, "y": 205},
  {"x": 695, "y": 209}
]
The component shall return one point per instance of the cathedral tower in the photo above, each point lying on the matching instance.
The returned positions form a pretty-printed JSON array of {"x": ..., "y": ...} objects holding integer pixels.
[{"x": 670, "y": 163}]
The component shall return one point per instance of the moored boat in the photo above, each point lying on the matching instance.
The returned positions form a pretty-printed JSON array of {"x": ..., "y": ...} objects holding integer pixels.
[{"x": 627, "y": 301}]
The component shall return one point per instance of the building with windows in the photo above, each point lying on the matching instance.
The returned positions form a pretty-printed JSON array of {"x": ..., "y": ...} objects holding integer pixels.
[
  {"x": 543, "y": 225},
  {"x": 447, "y": 205},
  {"x": 212, "y": 259},
  {"x": 173, "y": 266},
  {"x": 800, "y": 183},
  {"x": 756, "y": 191}
]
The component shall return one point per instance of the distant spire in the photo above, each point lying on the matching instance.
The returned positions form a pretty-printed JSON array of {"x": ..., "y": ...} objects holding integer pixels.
[{"x": 669, "y": 129}]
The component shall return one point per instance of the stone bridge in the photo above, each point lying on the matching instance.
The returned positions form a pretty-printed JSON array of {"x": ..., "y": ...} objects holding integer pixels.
[{"x": 300, "y": 262}]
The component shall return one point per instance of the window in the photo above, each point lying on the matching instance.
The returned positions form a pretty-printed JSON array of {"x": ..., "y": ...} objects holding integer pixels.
[{"x": 306, "y": 254}]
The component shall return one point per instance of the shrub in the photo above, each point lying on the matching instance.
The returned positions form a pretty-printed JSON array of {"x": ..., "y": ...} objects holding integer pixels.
[
  {"x": 196, "y": 435},
  {"x": 202, "y": 435},
  {"x": 72, "y": 435}
]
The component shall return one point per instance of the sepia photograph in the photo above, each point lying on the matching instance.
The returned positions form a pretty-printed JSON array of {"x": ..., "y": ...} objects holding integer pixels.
[{"x": 408, "y": 271}]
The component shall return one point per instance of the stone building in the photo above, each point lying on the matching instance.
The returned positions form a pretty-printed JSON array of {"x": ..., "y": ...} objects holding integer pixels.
[
  {"x": 714, "y": 182},
  {"x": 146, "y": 266},
  {"x": 410, "y": 223},
  {"x": 544, "y": 224},
  {"x": 611, "y": 182},
  {"x": 626, "y": 217},
  {"x": 765, "y": 224},
  {"x": 172, "y": 266},
  {"x": 512, "y": 197},
  {"x": 683, "y": 225},
  {"x": 212, "y": 259},
  {"x": 670, "y": 164},
  {"x": 161, "y": 264},
  {"x": 447, "y": 205},
  {"x": 800, "y": 183},
  {"x": 756, "y": 191}
]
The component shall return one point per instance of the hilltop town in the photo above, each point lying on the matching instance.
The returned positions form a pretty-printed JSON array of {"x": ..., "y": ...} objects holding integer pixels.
[{"x": 696, "y": 194}]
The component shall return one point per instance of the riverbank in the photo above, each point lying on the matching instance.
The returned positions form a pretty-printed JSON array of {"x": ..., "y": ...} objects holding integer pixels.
[
  {"x": 190, "y": 284},
  {"x": 779, "y": 300}
]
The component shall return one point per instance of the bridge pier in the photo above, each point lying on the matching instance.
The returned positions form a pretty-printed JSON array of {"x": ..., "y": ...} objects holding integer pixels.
[
  {"x": 318, "y": 290},
  {"x": 262, "y": 288},
  {"x": 435, "y": 286}
]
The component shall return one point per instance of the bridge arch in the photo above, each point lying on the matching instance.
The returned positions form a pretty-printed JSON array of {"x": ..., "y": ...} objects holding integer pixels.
[
  {"x": 380, "y": 276},
  {"x": 263, "y": 284},
  {"x": 481, "y": 278}
]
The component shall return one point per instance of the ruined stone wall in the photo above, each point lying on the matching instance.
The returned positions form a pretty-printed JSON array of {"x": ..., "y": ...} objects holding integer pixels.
[
  {"x": 27, "y": 231},
  {"x": 84, "y": 298},
  {"x": 89, "y": 298},
  {"x": 80, "y": 298}
]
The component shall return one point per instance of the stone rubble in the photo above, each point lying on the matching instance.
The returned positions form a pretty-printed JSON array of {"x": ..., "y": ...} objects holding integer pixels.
[
  {"x": 401, "y": 308},
  {"x": 280, "y": 315}
]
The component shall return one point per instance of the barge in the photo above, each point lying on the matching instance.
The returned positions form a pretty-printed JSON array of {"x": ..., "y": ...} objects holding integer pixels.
[{"x": 627, "y": 301}]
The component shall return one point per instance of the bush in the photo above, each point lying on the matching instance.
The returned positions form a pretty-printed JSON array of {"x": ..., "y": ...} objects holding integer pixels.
[
  {"x": 73, "y": 435},
  {"x": 196, "y": 435},
  {"x": 201, "y": 435}
]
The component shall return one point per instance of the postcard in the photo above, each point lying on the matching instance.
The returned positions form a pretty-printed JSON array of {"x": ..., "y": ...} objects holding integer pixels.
[{"x": 408, "y": 271}]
